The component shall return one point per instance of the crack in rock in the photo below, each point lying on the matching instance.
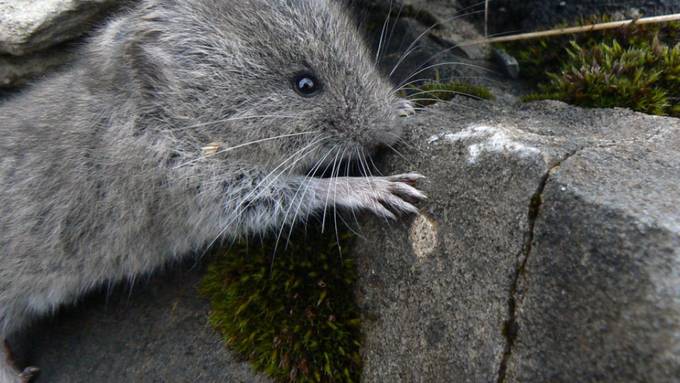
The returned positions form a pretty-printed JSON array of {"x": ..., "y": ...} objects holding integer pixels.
[{"x": 510, "y": 327}]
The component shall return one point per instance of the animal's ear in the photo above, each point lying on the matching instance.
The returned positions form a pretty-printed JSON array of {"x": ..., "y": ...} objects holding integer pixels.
[
  {"x": 147, "y": 60},
  {"x": 139, "y": 46}
]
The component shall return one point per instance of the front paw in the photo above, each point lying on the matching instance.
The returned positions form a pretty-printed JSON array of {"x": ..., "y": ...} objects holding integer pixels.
[{"x": 386, "y": 195}]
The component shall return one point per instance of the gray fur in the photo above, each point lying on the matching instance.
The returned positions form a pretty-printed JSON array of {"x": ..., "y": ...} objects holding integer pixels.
[{"x": 103, "y": 175}]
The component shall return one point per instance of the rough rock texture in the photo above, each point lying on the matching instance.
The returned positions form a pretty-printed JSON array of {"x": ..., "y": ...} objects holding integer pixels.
[
  {"x": 36, "y": 35},
  {"x": 17, "y": 70},
  {"x": 423, "y": 39},
  {"x": 549, "y": 250},
  {"x": 606, "y": 261},
  {"x": 30, "y": 25},
  {"x": 156, "y": 332}
]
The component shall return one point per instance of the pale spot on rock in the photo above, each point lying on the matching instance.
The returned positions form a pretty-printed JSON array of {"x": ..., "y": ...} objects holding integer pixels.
[{"x": 423, "y": 236}]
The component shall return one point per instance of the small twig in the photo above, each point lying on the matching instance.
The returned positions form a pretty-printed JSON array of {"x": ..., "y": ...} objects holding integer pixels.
[
  {"x": 486, "y": 19},
  {"x": 580, "y": 29}
]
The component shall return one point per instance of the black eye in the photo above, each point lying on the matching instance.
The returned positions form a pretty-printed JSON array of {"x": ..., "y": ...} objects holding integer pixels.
[{"x": 306, "y": 85}]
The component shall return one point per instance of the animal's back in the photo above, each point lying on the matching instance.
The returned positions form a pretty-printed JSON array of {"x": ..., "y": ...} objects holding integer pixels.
[
  {"x": 72, "y": 196},
  {"x": 40, "y": 182}
]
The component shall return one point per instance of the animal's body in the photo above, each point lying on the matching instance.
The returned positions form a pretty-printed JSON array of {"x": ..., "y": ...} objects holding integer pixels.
[{"x": 184, "y": 122}]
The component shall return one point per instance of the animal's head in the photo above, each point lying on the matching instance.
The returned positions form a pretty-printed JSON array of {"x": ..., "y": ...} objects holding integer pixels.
[{"x": 292, "y": 76}]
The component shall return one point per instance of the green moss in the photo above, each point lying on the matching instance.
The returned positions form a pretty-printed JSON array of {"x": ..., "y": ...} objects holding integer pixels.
[
  {"x": 432, "y": 92},
  {"x": 633, "y": 67},
  {"x": 645, "y": 79},
  {"x": 538, "y": 57},
  {"x": 292, "y": 316}
]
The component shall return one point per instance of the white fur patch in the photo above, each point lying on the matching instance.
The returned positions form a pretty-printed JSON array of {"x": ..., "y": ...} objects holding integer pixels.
[{"x": 488, "y": 139}]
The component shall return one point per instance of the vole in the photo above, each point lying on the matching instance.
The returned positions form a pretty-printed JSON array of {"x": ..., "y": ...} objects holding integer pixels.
[{"x": 185, "y": 122}]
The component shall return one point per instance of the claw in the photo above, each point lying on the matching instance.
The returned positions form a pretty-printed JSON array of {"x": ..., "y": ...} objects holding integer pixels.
[
  {"x": 380, "y": 210},
  {"x": 399, "y": 204},
  {"x": 28, "y": 373},
  {"x": 407, "y": 178},
  {"x": 407, "y": 190}
]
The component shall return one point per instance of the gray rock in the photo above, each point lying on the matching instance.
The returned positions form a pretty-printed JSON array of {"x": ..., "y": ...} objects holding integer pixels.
[
  {"x": 18, "y": 70},
  {"x": 424, "y": 39},
  {"x": 604, "y": 269},
  {"x": 30, "y": 25},
  {"x": 506, "y": 276},
  {"x": 156, "y": 332}
]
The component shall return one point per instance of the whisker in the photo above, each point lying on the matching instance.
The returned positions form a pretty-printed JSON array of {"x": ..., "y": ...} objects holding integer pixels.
[
  {"x": 237, "y": 211},
  {"x": 437, "y": 100},
  {"x": 369, "y": 175},
  {"x": 396, "y": 89},
  {"x": 246, "y": 144},
  {"x": 285, "y": 219},
  {"x": 424, "y": 79},
  {"x": 410, "y": 49},
  {"x": 377, "y": 170},
  {"x": 335, "y": 205},
  {"x": 306, "y": 183},
  {"x": 238, "y": 118},
  {"x": 293, "y": 200},
  {"x": 284, "y": 223},
  {"x": 328, "y": 193},
  {"x": 452, "y": 63},
  {"x": 352, "y": 208},
  {"x": 394, "y": 25},
  {"x": 458, "y": 46},
  {"x": 382, "y": 32},
  {"x": 409, "y": 145},
  {"x": 446, "y": 91},
  {"x": 400, "y": 155},
  {"x": 454, "y": 92}
]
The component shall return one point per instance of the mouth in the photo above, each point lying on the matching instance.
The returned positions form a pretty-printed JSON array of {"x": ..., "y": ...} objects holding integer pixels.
[{"x": 360, "y": 164}]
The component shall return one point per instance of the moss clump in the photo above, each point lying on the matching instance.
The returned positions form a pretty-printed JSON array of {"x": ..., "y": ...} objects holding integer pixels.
[
  {"x": 538, "y": 57},
  {"x": 292, "y": 316},
  {"x": 645, "y": 79},
  {"x": 635, "y": 67},
  {"x": 432, "y": 92}
]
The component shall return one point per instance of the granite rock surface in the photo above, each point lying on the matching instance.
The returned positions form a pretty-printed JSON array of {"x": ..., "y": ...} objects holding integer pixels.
[{"x": 549, "y": 250}]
